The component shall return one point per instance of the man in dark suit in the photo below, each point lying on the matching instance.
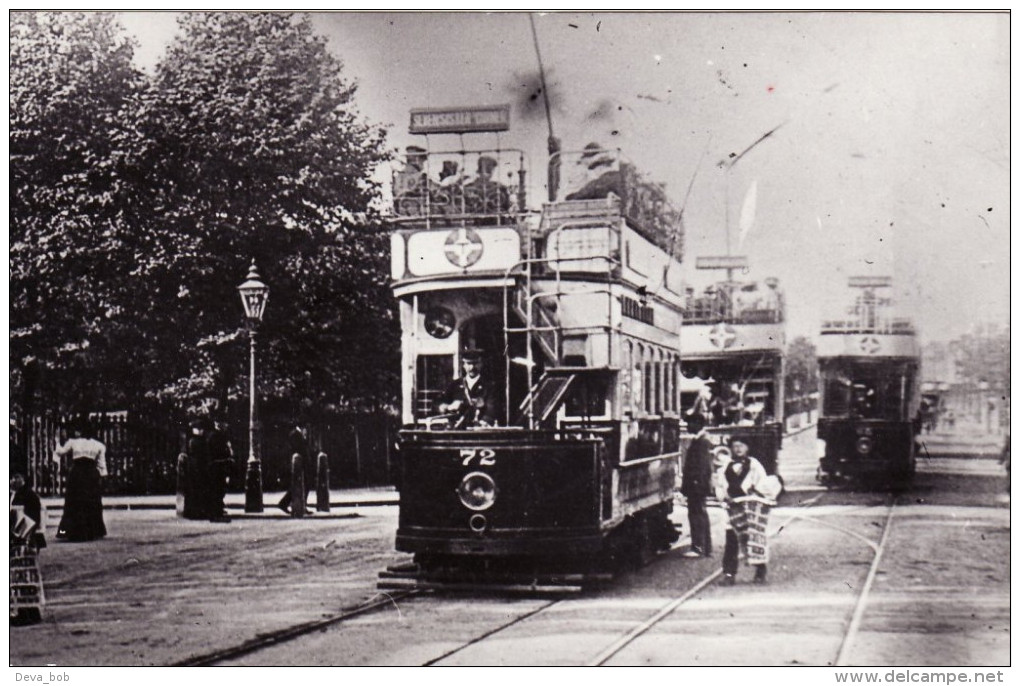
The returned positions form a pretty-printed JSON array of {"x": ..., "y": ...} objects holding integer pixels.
[
  {"x": 473, "y": 397},
  {"x": 221, "y": 457},
  {"x": 697, "y": 486}
]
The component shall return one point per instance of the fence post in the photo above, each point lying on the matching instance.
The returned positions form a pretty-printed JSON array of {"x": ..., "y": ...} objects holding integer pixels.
[
  {"x": 297, "y": 486},
  {"x": 322, "y": 484}
]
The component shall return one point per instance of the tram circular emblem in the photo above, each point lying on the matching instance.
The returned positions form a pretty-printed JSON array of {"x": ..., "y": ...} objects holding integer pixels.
[
  {"x": 870, "y": 345},
  {"x": 722, "y": 335},
  {"x": 463, "y": 247}
]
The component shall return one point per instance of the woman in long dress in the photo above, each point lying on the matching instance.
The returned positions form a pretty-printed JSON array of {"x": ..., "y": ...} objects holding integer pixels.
[{"x": 83, "y": 503}]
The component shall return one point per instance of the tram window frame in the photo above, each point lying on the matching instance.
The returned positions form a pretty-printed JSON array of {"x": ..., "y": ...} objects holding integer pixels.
[
  {"x": 626, "y": 382},
  {"x": 425, "y": 367},
  {"x": 649, "y": 387},
  {"x": 660, "y": 384},
  {"x": 674, "y": 382},
  {"x": 595, "y": 391},
  {"x": 637, "y": 380}
]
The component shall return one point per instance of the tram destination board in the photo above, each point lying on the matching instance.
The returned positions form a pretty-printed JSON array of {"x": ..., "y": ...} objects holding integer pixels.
[{"x": 460, "y": 119}]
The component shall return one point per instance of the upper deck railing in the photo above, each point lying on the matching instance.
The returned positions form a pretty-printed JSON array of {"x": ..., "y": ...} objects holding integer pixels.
[
  {"x": 736, "y": 303},
  {"x": 896, "y": 326},
  {"x": 870, "y": 314},
  {"x": 480, "y": 187}
]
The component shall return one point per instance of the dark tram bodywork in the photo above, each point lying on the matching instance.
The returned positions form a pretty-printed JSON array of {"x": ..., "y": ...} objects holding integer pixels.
[
  {"x": 869, "y": 370},
  {"x": 733, "y": 343},
  {"x": 582, "y": 341},
  {"x": 522, "y": 493}
]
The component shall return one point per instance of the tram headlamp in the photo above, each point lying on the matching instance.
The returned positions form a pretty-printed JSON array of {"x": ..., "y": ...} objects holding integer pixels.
[
  {"x": 864, "y": 445},
  {"x": 477, "y": 491}
]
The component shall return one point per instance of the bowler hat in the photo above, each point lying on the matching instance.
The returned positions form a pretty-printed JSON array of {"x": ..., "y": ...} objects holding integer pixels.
[{"x": 472, "y": 354}]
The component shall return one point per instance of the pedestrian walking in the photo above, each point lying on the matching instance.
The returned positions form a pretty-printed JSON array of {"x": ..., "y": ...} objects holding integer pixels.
[
  {"x": 696, "y": 486},
  {"x": 221, "y": 460},
  {"x": 748, "y": 491},
  {"x": 297, "y": 444},
  {"x": 83, "y": 504}
]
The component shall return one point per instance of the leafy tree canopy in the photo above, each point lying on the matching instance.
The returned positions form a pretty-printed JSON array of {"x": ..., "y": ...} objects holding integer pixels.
[
  {"x": 244, "y": 144},
  {"x": 801, "y": 367}
]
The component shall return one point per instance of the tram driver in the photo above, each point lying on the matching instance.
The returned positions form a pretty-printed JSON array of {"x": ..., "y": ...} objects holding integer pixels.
[{"x": 473, "y": 398}]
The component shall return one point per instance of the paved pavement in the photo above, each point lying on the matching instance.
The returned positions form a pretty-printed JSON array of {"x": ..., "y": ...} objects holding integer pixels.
[{"x": 338, "y": 498}]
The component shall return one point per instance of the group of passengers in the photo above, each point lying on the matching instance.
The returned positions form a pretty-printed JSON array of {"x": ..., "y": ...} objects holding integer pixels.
[
  {"x": 452, "y": 192},
  {"x": 731, "y": 409},
  {"x": 747, "y": 301}
]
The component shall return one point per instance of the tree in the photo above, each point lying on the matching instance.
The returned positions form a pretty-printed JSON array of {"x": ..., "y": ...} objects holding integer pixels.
[
  {"x": 71, "y": 84},
  {"x": 251, "y": 148},
  {"x": 138, "y": 203},
  {"x": 801, "y": 368}
]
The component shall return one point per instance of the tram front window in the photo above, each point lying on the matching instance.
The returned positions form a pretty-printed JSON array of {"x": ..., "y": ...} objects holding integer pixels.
[
  {"x": 736, "y": 394},
  {"x": 474, "y": 398},
  {"x": 865, "y": 396}
]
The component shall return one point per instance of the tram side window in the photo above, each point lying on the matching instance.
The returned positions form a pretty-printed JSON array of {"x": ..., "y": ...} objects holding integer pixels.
[
  {"x": 587, "y": 397},
  {"x": 649, "y": 386},
  {"x": 434, "y": 373},
  {"x": 636, "y": 381},
  {"x": 837, "y": 397}
]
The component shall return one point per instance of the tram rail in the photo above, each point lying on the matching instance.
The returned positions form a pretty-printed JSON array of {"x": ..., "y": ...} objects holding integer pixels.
[
  {"x": 291, "y": 633},
  {"x": 604, "y": 656},
  {"x": 849, "y": 636}
]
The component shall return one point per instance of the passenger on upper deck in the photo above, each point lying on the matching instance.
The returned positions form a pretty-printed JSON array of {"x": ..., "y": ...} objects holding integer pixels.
[
  {"x": 596, "y": 175},
  {"x": 483, "y": 195},
  {"x": 472, "y": 398},
  {"x": 412, "y": 180},
  {"x": 448, "y": 176}
]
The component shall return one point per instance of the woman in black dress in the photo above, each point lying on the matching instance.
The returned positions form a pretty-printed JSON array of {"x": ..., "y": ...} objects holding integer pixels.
[{"x": 83, "y": 504}]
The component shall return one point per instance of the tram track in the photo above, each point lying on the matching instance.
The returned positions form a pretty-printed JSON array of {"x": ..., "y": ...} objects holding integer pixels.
[
  {"x": 603, "y": 657},
  {"x": 291, "y": 633},
  {"x": 846, "y": 644}
]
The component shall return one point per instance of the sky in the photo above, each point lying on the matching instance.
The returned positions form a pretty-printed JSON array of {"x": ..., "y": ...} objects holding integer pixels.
[{"x": 891, "y": 157}]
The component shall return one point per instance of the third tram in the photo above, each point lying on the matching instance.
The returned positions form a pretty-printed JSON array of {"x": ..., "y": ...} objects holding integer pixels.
[{"x": 870, "y": 392}]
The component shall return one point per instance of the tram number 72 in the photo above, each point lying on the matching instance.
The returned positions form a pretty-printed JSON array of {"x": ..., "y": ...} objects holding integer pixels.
[{"x": 484, "y": 457}]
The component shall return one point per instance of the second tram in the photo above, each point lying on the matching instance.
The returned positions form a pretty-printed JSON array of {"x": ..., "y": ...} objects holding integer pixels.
[
  {"x": 869, "y": 367},
  {"x": 732, "y": 343}
]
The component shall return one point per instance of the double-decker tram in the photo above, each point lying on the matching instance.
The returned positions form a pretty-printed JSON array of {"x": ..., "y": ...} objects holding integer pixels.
[
  {"x": 733, "y": 342},
  {"x": 870, "y": 391},
  {"x": 540, "y": 364}
]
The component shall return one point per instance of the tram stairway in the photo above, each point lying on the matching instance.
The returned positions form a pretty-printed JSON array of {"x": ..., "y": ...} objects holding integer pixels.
[{"x": 543, "y": 325}]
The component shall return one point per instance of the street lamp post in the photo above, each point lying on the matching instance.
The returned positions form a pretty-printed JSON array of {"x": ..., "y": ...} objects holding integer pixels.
[{"x": 254, "y": 295}]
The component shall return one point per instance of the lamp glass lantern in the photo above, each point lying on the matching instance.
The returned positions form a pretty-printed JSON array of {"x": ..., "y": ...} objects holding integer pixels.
[{"x": 254, "y": 295}]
